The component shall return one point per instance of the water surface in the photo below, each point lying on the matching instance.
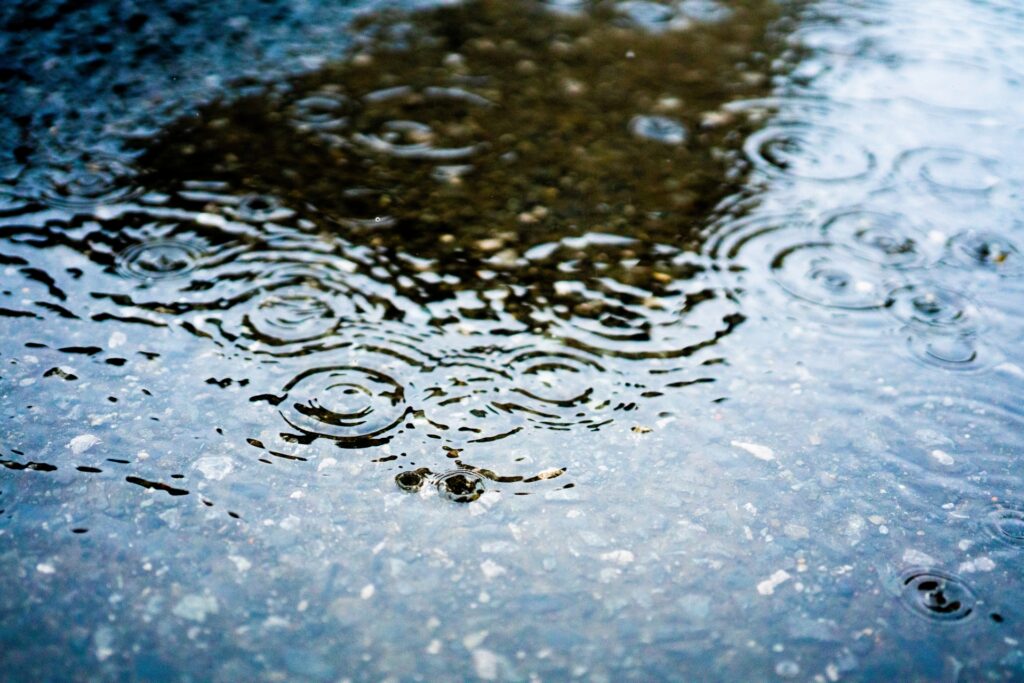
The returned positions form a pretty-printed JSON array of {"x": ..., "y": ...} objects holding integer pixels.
[{"x": 513, "y": 341}]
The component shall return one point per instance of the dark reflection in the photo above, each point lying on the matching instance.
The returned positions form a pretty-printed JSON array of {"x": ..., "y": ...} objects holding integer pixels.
[
  {"x": 487, "y": 220},
  {"x": 569, "y": 159}
]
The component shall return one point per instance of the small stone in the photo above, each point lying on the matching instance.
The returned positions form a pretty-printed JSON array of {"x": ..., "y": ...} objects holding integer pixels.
[
  {"x": 44, "y": 568},
  {"x": 490, "y": 244},
  {"x": 942, "y": 457},
  {"x": 367, "y": 592}
]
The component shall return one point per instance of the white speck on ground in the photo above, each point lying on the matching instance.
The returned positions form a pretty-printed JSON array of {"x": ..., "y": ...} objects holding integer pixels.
[
  {"x": 196, "y": 607},
  {"x": 768, "y": 586},
  {"x": 485, "y": 663},
  {"x": 980, "y": 564},
  {"x": 474, "y": 640},
  {"x": 241, "y": 563},
  {"x": 83, "y": 442},
  {"x": 491, "y": 569},
  {"x": 942, "y": 457},
  {"x": 757, "y": 450},
  {"x": 911, "y": 556},
  {"x": 44, "y": 568},
  {"x": 367, "y": 592},
  {"x": 103, "y": 639},
  {"x": 618, "y": 557},
  {"x": 215, "y": 467}
]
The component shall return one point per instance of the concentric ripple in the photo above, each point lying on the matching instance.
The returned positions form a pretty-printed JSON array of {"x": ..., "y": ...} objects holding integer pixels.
[
  {"x": 255, "y": 208},
  {"x": 324, "y": 111},
  {"x": 412, "y": 480},
  {"x": 937, "y": 595},
  {"x": 665, "y": 304},
  {"x": 889, "y": 239},
  {"x": 355, "y": 406},
  {"x": 86, "y": 183},
  {"x": 941, "y": 444},
  {"x": 815, "y": 272},
  {"x": 300, "y": 309},
  {"x": 554, "y": 378},
  {"x": 158, "y": 260},
  {"x": 932, "y": 307},
  {"x": 1006, "y": 524},
  {"x": 947, "y": 170},
  {"x": 783, "y": 254},
  {"x": 461, "y": 397},
  {"x": 290, "y": 315},
  {"x": 943, "y": 327},
  {"x": 432, "y": 124},
  {"x": 809, "y": 153},
  {"x": 956, "y": 352},
  {"x": 460, "y": 486},
  {"x": 557, "y": 389},
  {"x": 986, "y": 251}
]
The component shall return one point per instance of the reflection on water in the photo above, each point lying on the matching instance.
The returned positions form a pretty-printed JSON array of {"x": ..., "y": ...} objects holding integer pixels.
[
  {"x": 508, "y": 200},
  {"x": 521, "y": 341}
]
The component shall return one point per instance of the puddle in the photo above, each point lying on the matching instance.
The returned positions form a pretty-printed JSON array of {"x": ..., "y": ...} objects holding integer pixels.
[{"x": 512, "y": 341}]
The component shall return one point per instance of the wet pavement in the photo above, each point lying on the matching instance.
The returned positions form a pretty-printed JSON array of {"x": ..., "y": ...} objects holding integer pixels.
[{"x": 512, "y": 341}]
